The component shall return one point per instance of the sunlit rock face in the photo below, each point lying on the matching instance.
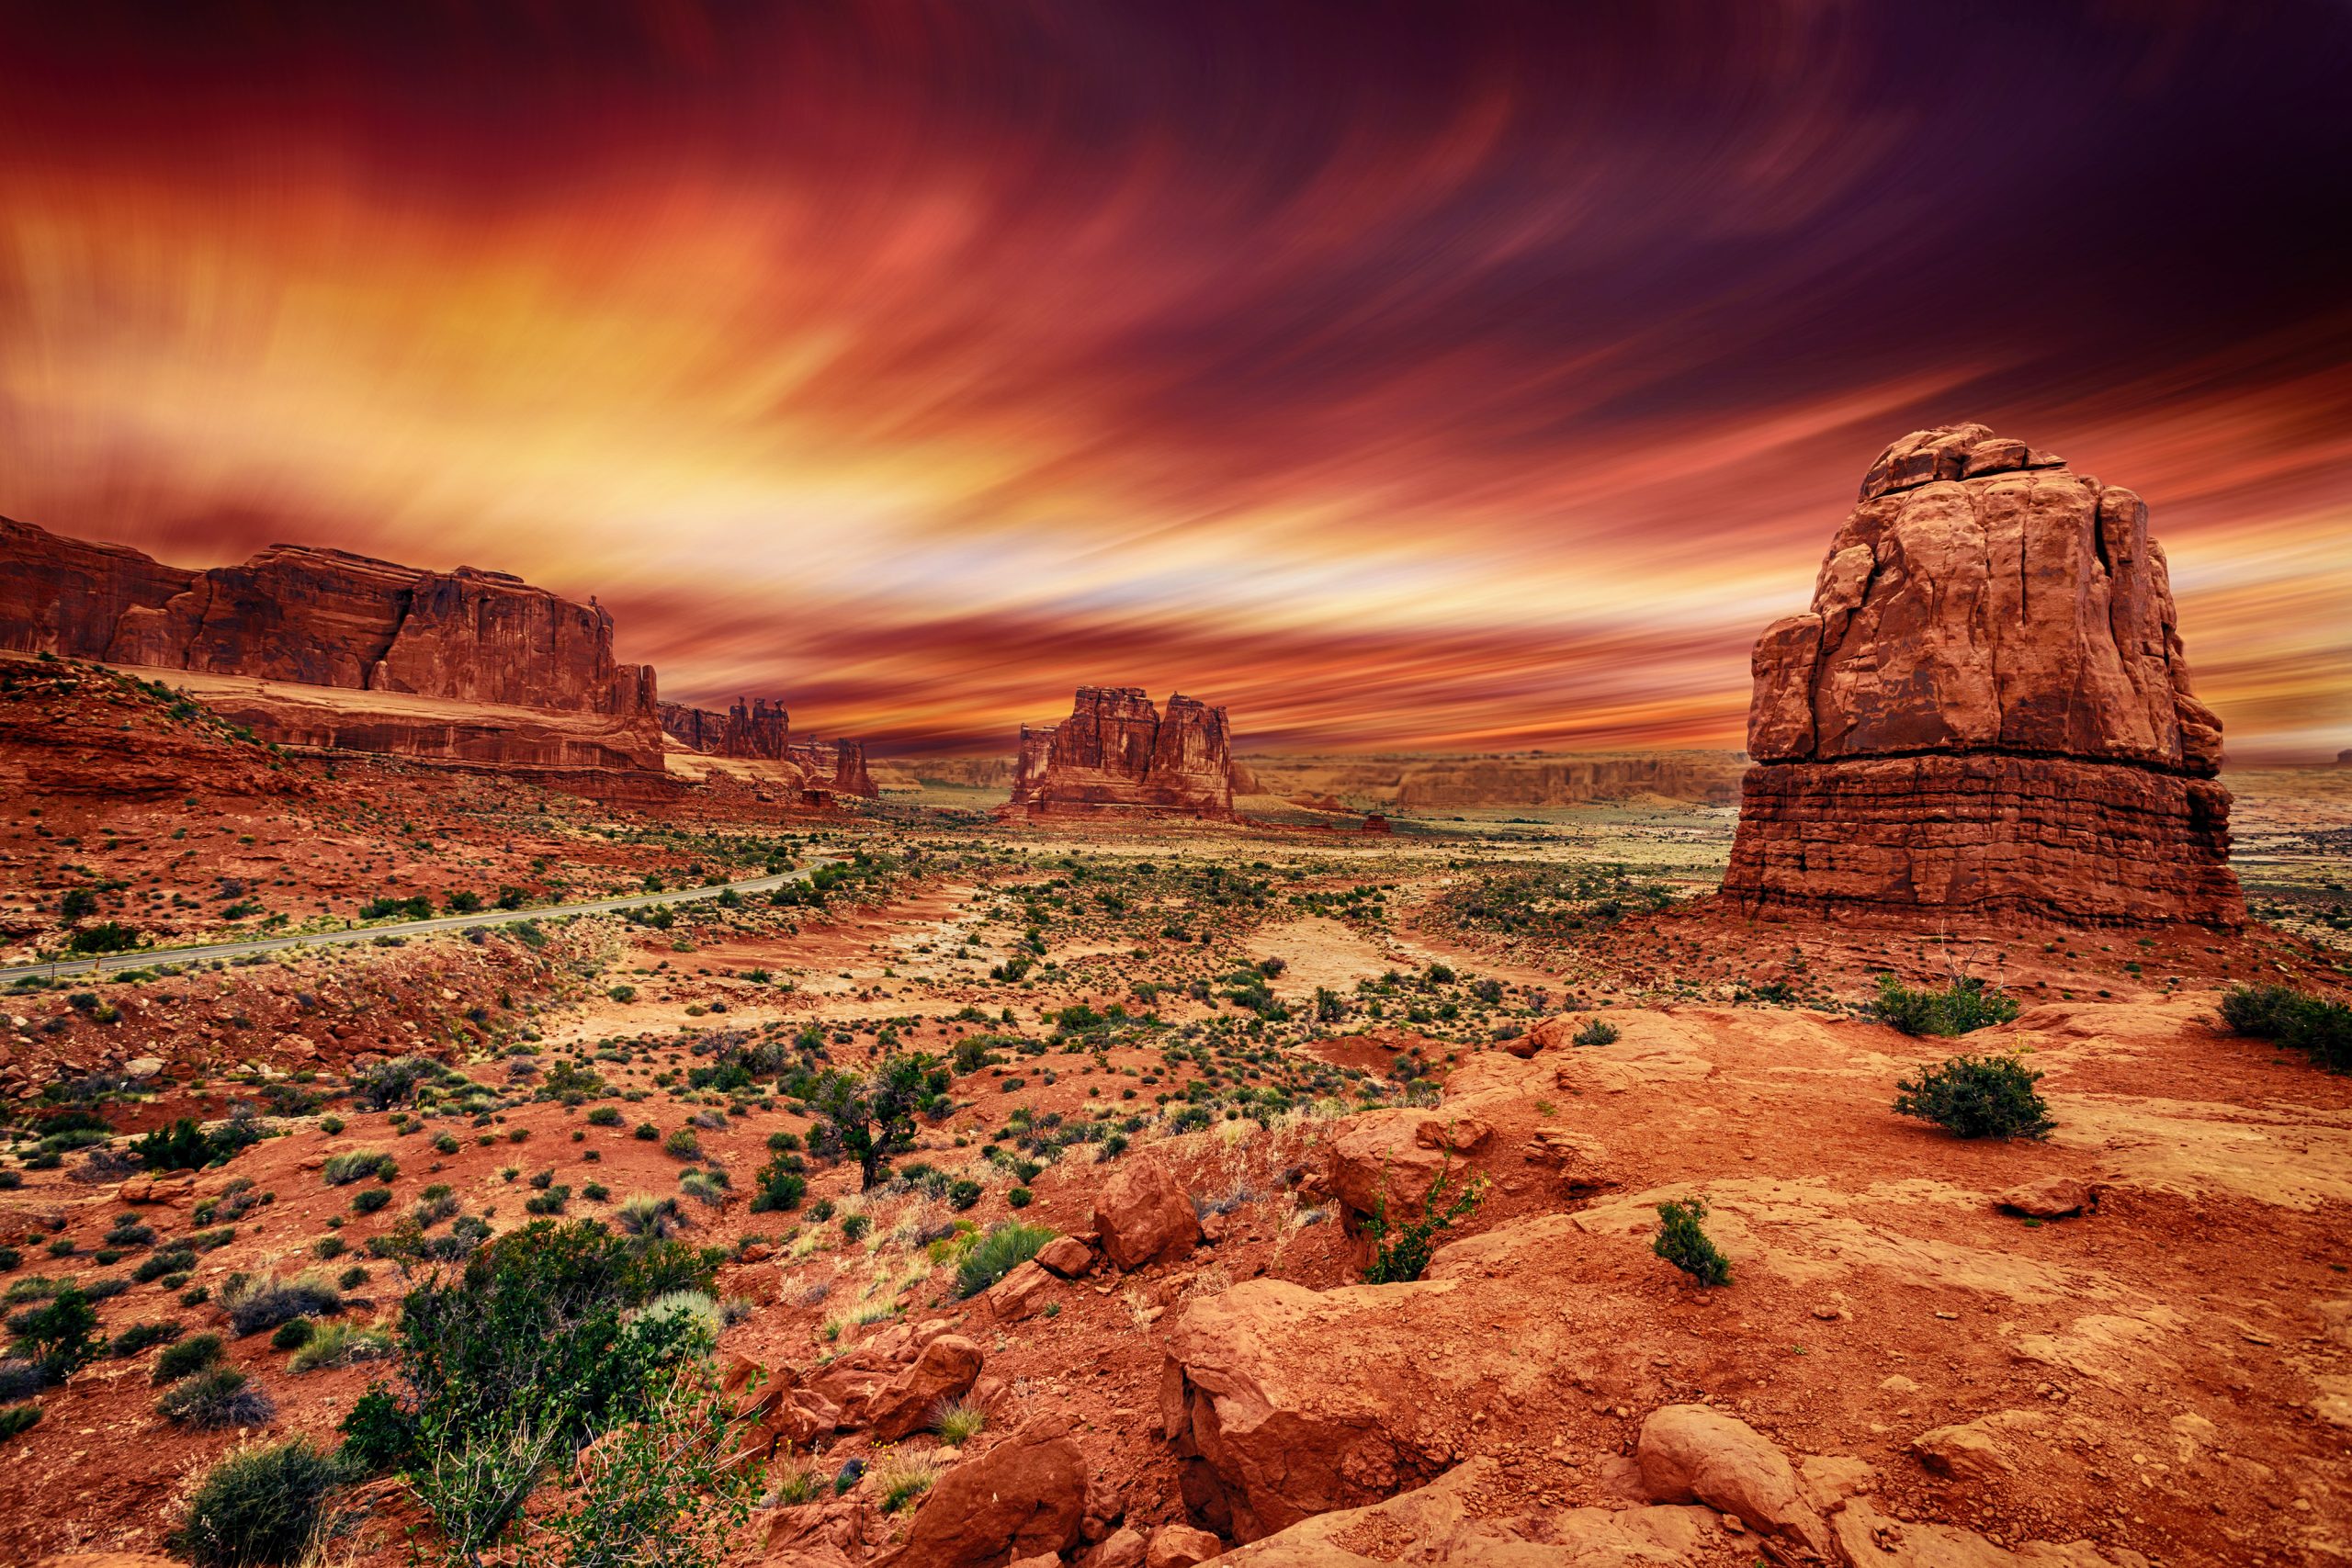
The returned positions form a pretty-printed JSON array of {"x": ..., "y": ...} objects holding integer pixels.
[
  {"x": 1986, "y": 710},
  {"x": 486, "y": 642},
  {"x": 756, "y": 729},
  {"x": 836, "y": 765},
  {"x": 1116, "y": 752}
]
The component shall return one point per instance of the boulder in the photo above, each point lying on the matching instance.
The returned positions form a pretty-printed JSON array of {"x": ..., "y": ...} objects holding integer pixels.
[
  {"x": 1144, "y": 1215},
  {"x": 1181, "y": 1546},
  {"x": 1124, "y": 1548},
  {"x": 1985, "y": 711},
  {"x": 1694, "y": 1454},
  {"x": 2051, "y": 1198},
  {"x": 1023, "y": 1291},
  {"x": 1066, "y": 1256},
  {"x": 1023, "y": 1497},
  {"x": 946, "y": 1368}
]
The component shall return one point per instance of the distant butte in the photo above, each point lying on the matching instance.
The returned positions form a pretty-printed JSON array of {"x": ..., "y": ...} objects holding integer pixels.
[
  {"x": 1117, "y": 755},
  {"x": 1987, "y": 712}
]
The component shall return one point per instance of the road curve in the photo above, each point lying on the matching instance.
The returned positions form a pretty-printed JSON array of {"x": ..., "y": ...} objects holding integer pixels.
[{"x": 93, "y": 966}]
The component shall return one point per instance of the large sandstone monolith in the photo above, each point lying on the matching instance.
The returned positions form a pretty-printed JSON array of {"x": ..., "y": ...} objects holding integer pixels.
[
  {"x": 1987, "y": 712},
  {"x": 1117, "y": 753}
]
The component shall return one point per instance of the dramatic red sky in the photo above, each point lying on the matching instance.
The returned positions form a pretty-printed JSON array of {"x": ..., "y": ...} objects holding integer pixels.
[{"x": 1401, "y": 376}]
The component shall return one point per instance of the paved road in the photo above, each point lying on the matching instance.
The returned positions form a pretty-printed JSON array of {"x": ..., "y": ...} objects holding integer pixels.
[{"x": 93, "y": 966}]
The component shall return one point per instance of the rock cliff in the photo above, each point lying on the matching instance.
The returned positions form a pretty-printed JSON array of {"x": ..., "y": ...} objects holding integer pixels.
[
  {"x": 1116, "y": 752},
  {"x": 327, "y": 618},
  {"x": 757, "y": 729},
  {"x": 1986, "y": 710},
  {"x": 837, "y": 765}
]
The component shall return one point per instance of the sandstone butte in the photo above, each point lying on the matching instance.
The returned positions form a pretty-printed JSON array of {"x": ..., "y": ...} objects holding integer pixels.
[
  {"x": 756, "y": 730},
  {"x": 1116, "y": 753},
  {"x": 1987, "y": 712}
]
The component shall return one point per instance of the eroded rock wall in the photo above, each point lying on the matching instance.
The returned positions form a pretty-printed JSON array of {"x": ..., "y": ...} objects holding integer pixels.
[{"x": 1117, "y": 753}]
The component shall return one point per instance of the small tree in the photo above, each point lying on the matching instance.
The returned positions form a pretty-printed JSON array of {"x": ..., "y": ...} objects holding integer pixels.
[
  {"x": 1402, "y": 1252},
  {"x": 1682, "y": 1242},
  {"x": 873, "y": 1118},
  {"x": 59, "y": 1337}
]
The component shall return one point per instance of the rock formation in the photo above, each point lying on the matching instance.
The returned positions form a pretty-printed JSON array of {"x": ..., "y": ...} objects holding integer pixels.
[
  {"x": 835, "y": 765},
  {"x": 1986, "y": 711},
  {"x": 330, "y": 619},
  {"x": 1116, "y": 752},
  {"x": 757, "y": 730}
]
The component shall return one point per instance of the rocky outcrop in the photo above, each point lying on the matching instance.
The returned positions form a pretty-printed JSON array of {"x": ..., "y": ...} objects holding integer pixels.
[
  {"x": 1117, "y": 753},
  {"x": 1987, "y": 712},
  {"x": 835, "y": 765},
  {"x": 485, "y": 642},
  {"x": 1023, "y": 1497},
  {"x": 756, "y": 730}
]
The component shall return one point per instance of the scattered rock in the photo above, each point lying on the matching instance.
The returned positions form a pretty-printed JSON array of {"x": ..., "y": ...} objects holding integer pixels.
[
  {"x": 1066, "y": 1256},
  {"x": 1181, "y": 1546},
  {"x": 1023, "y": 1291}
]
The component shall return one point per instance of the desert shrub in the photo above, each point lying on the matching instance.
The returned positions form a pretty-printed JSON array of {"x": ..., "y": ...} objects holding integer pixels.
[
  {"x": 963, "y": 1194},
  {"x": 855, "y": 1226},
  {"x": 1019, "y": 1198},
  {"x": 142, "y": 1337},
  {"x": 1400, "y": 1252},
  {"x": 368, "y": 1199},
  {"x": 184, "y": 1356},
  {"x": 1597, "y": 1032},
  {"x": 2317, "y": 1025},
  {"x": 1967, "y": 1004},
  {"x": 646, "y": 1215},
  {"x": 958, "y": 1421},
  {"x": 343, "y": 1169},
  {"x": 170, "y": 1260},
  {"x": 903, "y": 1475},
  {"x": 1682, "y": 1242},
  {"x": 695, "y": 1309},
  {"x": 997, "y": 1253},
  {"x": 263, "y": 1505},
  {"x": 183, "y": 1146},
  {"x": 107, "y": 936},
  {"x": 293, "y": 1334},
  {"x": 1977, "y": 1097},
  {"x": 604, "y": 1116},
  {"x": 683, "y": 1144},
  {"x": 59, "y": 1337},
  {"x": 526, "y": 1355},
  {"x": 267, "y": 1301},
  {"x": 210, "y": 1400},
  {"x": 392, "y": 1083},
  {"x": 660, "y": 1491},
  {"x": 17, "y": 1419},
  {"x": 339, "y": 1344},
  {"x": 779, "y": 1187},
  {"x": 19, "y": 1379}
]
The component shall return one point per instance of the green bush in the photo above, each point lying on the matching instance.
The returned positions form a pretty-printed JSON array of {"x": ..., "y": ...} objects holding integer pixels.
[
  {"x": 264, "y": 1505},
  {"x": 855, "y": 1226},
  {"x": 1020, "y": 1198},
  {"x": 1967, "y": 1004},
  {"x": 211, "y": 1400},
  {"x": 2316, "y": 1025},
  {"x": 183, "y": 1146},
  {"x": 187, "y": 1356},
  {"x": 143, "y": 1335},
  {"x": 368, "y": 1199},
  {"x": 963, "y": 1194},
  {"x": 780, "y": 1187},
  {"x": 267, "y": 1301},
  {"x": 997, "y": 1253},
  {"x": 1402, "y": 1252},
  {"x": 1684, "y": 1243},
  {"x": 1977, "y": 1097},
  {"x": 17, "y": 1418},
  {"x": 1598, "y": 1032},
  {"x": 343, "y": 1169},
  {"x": 293, "y": 1334},
  {"x": 59, "y": 1337}
]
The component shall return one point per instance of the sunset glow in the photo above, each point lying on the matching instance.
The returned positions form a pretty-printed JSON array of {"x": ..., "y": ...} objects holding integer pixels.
[{"x": 1400, "y": 378}]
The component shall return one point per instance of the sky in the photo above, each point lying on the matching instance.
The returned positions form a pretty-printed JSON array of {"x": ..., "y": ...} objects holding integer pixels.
[{"x": 1440, "y": 377}]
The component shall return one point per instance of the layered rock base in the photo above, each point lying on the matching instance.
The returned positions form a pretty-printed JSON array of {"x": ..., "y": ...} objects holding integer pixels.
[{"x": 1983, "y": 836}]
